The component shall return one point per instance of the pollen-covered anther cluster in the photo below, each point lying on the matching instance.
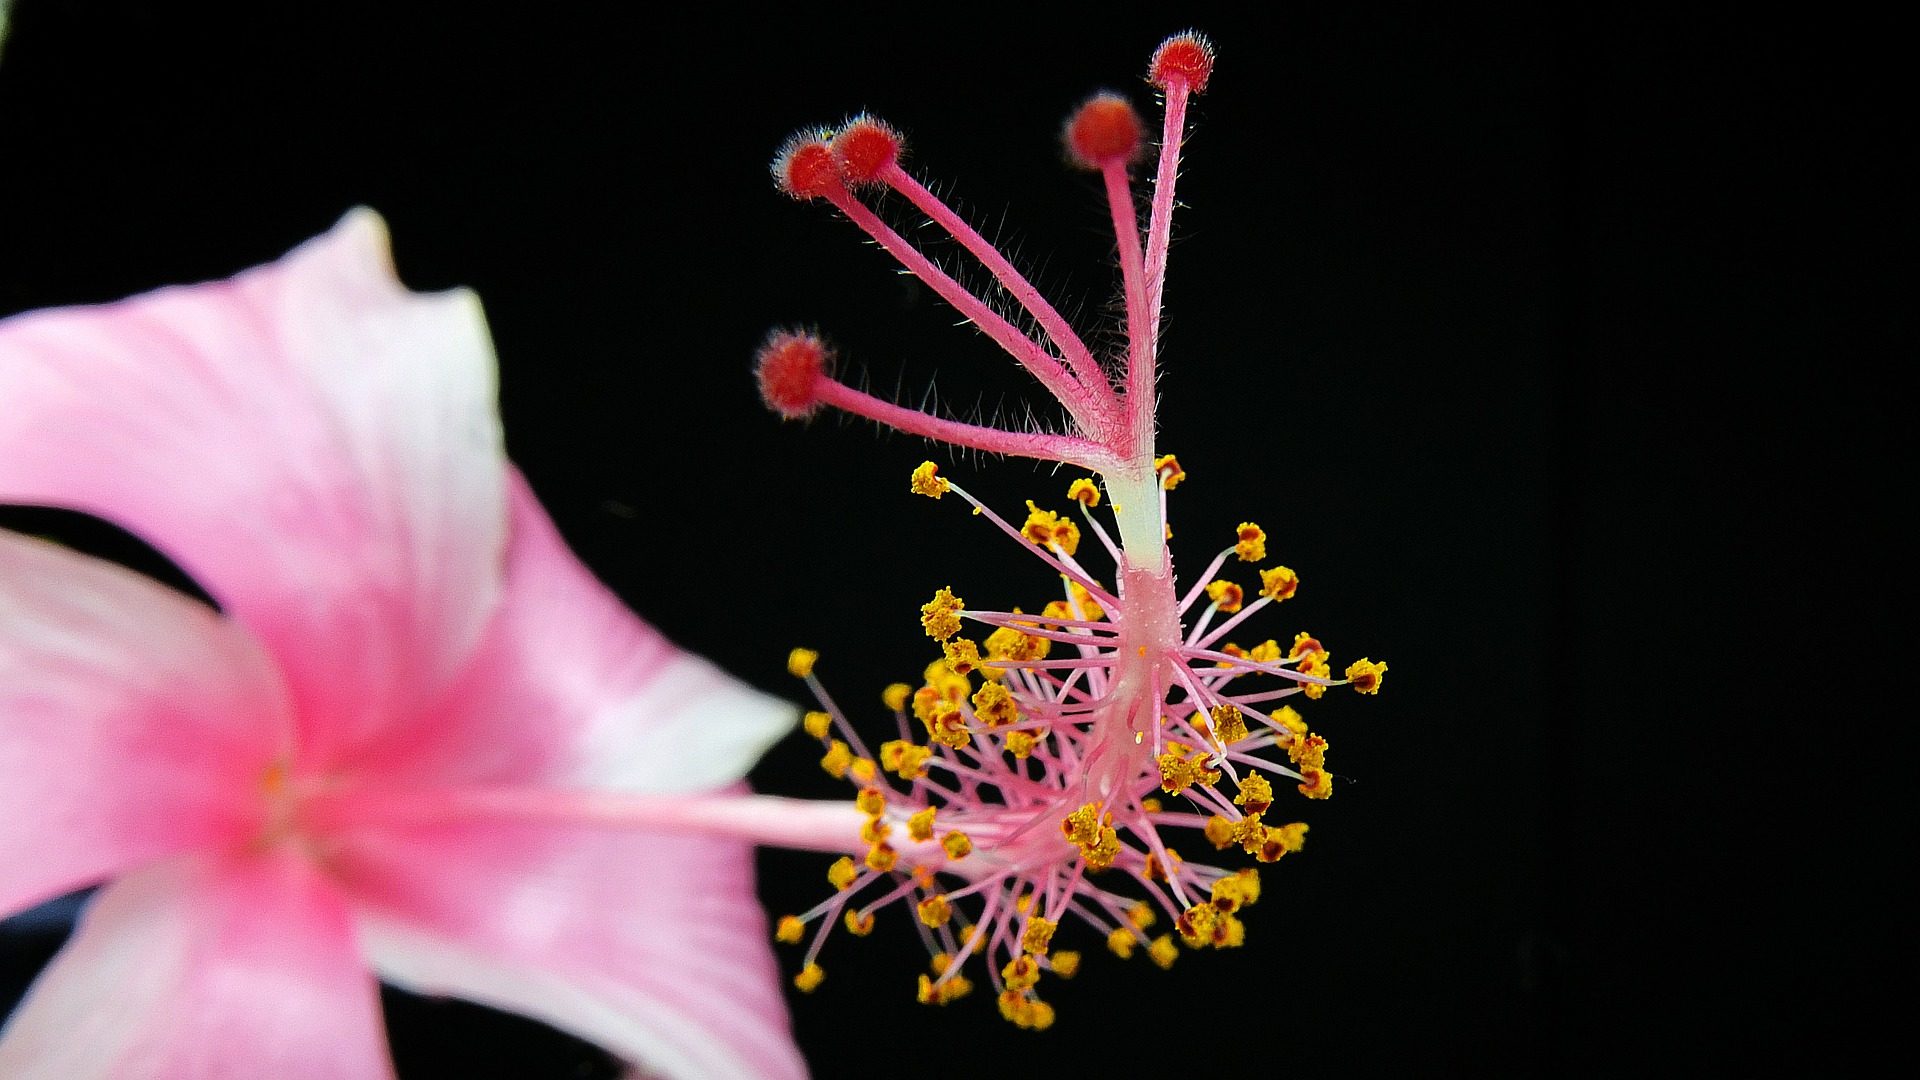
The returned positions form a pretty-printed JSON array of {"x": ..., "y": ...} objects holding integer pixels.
[
  {"x": 1000, "y": 737},
  {"x": 1100, "y": 758}
]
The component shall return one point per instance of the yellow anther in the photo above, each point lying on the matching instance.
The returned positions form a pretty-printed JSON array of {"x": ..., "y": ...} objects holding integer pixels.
[
  {"x": 1048, "y": 529},
  {"x": 1267, "y": 652},
  {"x": 1081, "y": 826},
  {"x": 1305, "y": 644},
  {"x": 1150, "y": 805},
  {"x": 1008, "y": 643},
  {"x": 1163, "y": 951},
  {"x": 1103, "y": 852},
  {"x": 935, "y": 911},
  {"x": 1142, "y": 916},
  {"x": 871, "y": 801},
  {"x": 963, "y": 656},
  {"x": 1281, "y": 840},
  {"x": 943, "y": 688},
  {"x": 1250, "y": 832},
  {"x": 859, "y": 923},
  {"x": 928, "y": 481},
  {"x": 895, "y": 696},
  {"x": 920, "y": 824},
  {"x": 907, "y": 760},
  {"x": 1158, "y": 869},
  {"x": 1318, "y": 667},
  {"x": 941, "y": 615},
  {"x": 923, "y": 876},
  {"x": 1229, "y": 932},
  {"x": 1256, "y": 794},
  {"x": 1037, "y": 936},
  {"x": 995, "y": 706},
  {"x": 891, "y": 753},
  {"x": 1316, "y": 783},
  {"x": 1308, "y": 751},
  {"x": 1229, "y": 893},
  {"x": 1279, "y": 583},
  {"x": 1085, "y": 492},
  {"x": 863, "y": 770},
  {"x": 940, "y": 962},
  {"x": 790, "y": 930},
  {"x": 1065, "y": 963},
  {"x": 1168, "y": 467},
  {"x": 800, "y": 662},
  {"x": 1219, "y": 832},
  {"x": 809, "y": 978},
  {"x": 1014, "y": 1006},
  {"x": 1229, "y": 726},
  {"x": 817, "y": 724},
  {"x": 1250, "y": 878},
  {"x": 1120, "y": 943},
  {"x": 1023, "y": 904},
  {"x": 1251, "y": 542},
  {"x": 940, "y": 993},
  {"x": 1039, "y": 1016},
  {"x": 875, "y": 830},
  {"x": 842, "y": 873},
  {"x": 1021, "y": 743},
  {"x": 1231, "y": 650},
  {"x": 948, "y": 727},
  {"x": 1365, "y": 675},
  {"x": 1226, "y": 595},
  {"x": 1289, "y": 717},
  {"x": 1090, "y": 610},
  {"x": 957, "y": 845},
  {"x": 1195, "y": 925},
  {"x": 838, "y": 758},
  {"x": 1021, "y": 972},
  {"x": 1178, "y": 773},
  {"x": 881, "y": 857}
]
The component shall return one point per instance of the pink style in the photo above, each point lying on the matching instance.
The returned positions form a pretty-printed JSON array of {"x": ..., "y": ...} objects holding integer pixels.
[
  {"x": 389, "y": 754},
  {"x": 1081, "y": 758}
]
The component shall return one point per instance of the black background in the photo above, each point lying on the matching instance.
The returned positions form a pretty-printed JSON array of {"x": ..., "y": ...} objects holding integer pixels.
[{"x": 1546, "y": 346}]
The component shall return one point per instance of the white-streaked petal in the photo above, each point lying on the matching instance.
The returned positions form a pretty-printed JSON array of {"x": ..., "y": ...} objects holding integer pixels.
[
  {"x": 134, "y": 722},
  {"x": 314, "y": 444},
  {"x": 205, "y": 968},
  {"x": 570, "y": 688},
  {"x": 652, "y": 946}
]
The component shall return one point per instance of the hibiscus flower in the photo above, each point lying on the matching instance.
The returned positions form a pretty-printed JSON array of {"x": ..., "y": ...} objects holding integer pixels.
[{"x": 268, "y": 790}]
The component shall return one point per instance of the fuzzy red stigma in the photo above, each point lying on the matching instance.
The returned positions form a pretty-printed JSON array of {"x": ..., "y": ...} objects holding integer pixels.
[
  {"x": 790, "y": 367},
  {"x": 1184, "y": 58},
  {"x": 863, "y": 148},
  {"x": 1103, "y": 129},
  {"x": 804, "y": 167}
]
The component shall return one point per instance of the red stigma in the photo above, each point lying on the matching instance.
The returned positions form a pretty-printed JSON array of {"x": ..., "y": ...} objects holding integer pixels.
[
  {"x": 804, "y": 167},
  {"x": 864, "y": 148},
  {"x": 1186, "y": 58},
  {"x": 1103, "y": 129},
  {"x": 789, "y": 367}
]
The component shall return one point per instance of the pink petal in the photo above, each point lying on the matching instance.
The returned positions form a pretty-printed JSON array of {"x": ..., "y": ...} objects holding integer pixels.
[
  {"x": 239, "y": 967},
  {"x": 317, "y": 446},
  {"x": 134, "y": 722},
  {"x": 650, "y": 945},
  {"x": 570, "y": 687}
]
